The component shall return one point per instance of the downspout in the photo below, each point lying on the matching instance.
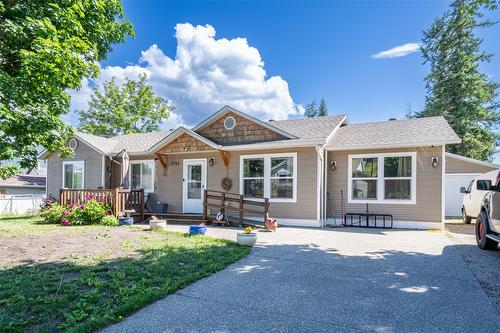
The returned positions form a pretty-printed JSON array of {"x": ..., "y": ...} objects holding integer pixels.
[{"x": 320, "y": 179}]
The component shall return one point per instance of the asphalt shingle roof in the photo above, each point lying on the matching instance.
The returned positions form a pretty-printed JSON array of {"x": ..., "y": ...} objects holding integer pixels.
[
  {"x": 309, "y": 128},
  {"x": 24, "y": 180},
  {"x": 394, "y": 133},
  {"x": 133, "y": 143}
]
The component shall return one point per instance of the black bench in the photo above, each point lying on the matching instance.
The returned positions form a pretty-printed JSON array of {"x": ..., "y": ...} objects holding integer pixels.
[{"x": 369, "y": 220}]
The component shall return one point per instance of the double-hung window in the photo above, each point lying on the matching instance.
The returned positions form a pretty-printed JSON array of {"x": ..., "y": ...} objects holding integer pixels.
[
  {"x": 142, "y": 175},
  {"x": 272, "y": 176},
  {"x": 73, "y": 174},
  {"x": 382, "y": 178}
]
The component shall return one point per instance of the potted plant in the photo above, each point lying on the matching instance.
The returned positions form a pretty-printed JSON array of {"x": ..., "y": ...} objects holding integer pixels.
[{"x": 247, "y": 237}]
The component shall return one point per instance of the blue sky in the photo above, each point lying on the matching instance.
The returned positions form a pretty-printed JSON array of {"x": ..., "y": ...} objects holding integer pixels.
[{"x": 313, "y": 49}]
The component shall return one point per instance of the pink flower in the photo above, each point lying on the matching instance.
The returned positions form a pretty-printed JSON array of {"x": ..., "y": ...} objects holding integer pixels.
[
  {"x": 106, "y": 213},
  {"x": 65, "y": 212},
  {"x": 82, "y": 206},
  {"x": 65, "y": 222}
]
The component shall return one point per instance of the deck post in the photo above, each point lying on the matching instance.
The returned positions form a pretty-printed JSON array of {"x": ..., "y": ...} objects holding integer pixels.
[
  {"x": 266, "y": 209},
  {"x": 205, "y": 205},
  {"x": 241, "y": 209},
  {"x": 116, "y": 202},
  {"x": 141, "y": 202}
]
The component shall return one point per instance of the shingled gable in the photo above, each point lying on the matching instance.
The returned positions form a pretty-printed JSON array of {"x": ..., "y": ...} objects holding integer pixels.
[
  {"x": 247, "y": 129},
  {"x": 184, "y": 140}
]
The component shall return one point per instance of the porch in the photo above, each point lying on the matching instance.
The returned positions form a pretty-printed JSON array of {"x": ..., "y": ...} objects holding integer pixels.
[{"x": 222, "y": 208}]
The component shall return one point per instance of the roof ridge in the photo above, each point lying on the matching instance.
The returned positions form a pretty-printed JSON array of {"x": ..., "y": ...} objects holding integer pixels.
[
  {"x": 308, "y": 118},
  {"x": 395, "y": 120}
]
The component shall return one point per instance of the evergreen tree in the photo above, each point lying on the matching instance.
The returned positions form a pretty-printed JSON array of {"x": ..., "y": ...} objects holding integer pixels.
[
  {"x": 311, "y": 109},
  {"x": 456, "y": 88},
  {"x": 323, "y": 109}
]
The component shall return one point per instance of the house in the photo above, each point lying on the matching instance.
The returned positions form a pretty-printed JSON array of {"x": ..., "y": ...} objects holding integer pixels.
[
  {"x": 23, "y": 184},
  {"x": 313, "y": 170}
]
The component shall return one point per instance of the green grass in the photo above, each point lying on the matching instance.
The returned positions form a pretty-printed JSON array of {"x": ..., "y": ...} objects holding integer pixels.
[{"x": 82, "y": 294}]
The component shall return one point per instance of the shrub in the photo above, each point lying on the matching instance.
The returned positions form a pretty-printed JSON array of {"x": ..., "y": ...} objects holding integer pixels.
[
  {"x": 91, "y": 212},
  {"x": 53, "y": 214},
  {"x": 109, "y": 220}
]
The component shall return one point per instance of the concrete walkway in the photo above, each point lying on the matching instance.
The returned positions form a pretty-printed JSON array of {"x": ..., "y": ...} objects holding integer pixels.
[{"x": 342, "y": 280}]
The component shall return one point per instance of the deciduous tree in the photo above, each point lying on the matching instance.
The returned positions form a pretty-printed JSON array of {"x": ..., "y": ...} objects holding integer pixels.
[
  {"x": 129, "y": 108},
  {"x": 47, "y": 47}
]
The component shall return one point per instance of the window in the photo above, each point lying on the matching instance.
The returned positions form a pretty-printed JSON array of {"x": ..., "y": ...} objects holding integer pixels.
[
  {"x": 142, "y": 175},
  {"x": 364, "y": 178},
  {"x": 229, "y": 123},
  {"x": 269, "y": 176},
  {"x": 73, "y": 174},
  {"x": 483, "y": 184},
  {"x": 382, "y": 178}
]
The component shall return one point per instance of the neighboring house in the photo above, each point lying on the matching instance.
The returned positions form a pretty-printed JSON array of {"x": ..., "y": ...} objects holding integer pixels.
[
  {"x": 312, "y": 170},
  {"x": 25, "y": 184},
  {"x": 460, "y": 171}
]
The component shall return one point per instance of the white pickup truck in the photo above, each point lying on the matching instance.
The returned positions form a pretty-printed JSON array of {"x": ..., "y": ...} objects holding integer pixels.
[{"x": 482, "y": 200}]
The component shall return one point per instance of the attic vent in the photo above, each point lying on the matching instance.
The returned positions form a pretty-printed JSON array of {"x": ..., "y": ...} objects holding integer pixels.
[
  {"x": 229, "y": 123},
  {"x": 73, "y": 143}
]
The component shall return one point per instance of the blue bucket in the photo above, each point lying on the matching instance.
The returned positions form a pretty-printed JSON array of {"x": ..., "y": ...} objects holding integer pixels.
[
  {"x": 126, "y": 221},
  {"x": 197, "y": 230}
]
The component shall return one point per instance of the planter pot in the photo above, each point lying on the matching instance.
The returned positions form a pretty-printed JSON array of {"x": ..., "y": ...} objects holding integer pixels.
[
  {"x": 158, "y": 224},
  {"x": 246, "y": 239},
  {"x": 126, "y": 220},
  {"x": 197, "y": 230}
]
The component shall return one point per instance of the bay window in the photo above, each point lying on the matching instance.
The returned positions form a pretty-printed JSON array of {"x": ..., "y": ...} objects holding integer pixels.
[
  {"x": 382, "y": 178},
  {"x": 272, "y": 176},
  {"x": 73, "y": 174},
  {"x": 142, "y": 175}
]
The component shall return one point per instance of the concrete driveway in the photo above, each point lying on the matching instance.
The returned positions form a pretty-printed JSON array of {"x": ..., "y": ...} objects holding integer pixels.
[{"x": 342, "y": 280}]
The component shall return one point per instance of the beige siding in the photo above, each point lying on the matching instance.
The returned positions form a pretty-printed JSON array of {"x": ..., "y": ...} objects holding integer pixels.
[
  {"x": 93, "y": 168},
  {"x": 454, "y": 165},
  {"x": 169, "y": 188},
  {"x": 429, "y": 187}
]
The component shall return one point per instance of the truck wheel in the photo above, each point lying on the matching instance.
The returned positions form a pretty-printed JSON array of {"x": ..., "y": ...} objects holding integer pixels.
[
  {"x": 482, "y": 229},
  {"x": 466, "y": 219}
]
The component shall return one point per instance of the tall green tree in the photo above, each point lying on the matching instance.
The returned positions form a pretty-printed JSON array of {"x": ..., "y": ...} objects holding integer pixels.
[
  {"x": 129, "y": 108},
  {"x": 311, "y": 110},
  {"x": 323, "y": 109},
  {"x": 456, "y": 88},
  {"x": 47, "y": 47}
]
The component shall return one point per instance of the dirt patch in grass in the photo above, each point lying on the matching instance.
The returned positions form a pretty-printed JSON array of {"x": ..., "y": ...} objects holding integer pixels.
[
  {"x": 58, "y": 246},
  {"x": 80, "y": 279}
]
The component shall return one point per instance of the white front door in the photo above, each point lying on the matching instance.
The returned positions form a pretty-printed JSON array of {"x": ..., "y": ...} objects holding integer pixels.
[{"x": 194, "y": 182}]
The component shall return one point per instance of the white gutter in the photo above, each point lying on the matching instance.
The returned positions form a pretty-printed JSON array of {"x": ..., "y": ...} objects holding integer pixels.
[{"x": 391, "y": 146}]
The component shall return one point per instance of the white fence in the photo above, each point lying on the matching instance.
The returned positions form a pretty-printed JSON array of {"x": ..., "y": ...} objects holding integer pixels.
[{"x": 20, "y": 203}]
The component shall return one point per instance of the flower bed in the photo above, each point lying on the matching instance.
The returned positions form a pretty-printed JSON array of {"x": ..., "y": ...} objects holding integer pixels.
[{"x": 93, "y": 211}]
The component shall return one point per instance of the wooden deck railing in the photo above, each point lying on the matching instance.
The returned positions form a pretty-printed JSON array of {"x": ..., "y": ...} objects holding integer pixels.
[
  {"x": 225, "y": 201},
  {"x": 119, "y": 199}
]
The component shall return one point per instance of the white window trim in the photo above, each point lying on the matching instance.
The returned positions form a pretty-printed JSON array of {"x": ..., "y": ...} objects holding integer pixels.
[
  {"x": 152, "y": 164},
  {"x": 380, "y": 179},
  {"x": 64, "y": 172},
  {"x": 267, "y": 175}
]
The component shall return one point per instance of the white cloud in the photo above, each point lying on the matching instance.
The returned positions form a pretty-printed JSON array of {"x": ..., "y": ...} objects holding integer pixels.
[
  {"x": 398, "y": 51},
  {"x": 205, "y": 74}
]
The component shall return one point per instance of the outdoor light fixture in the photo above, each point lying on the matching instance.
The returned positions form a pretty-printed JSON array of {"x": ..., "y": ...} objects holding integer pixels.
[
  {"x": 211, "y": 161},
  {"x": 332, "y": 165},
  {"x": 435, "y": 162}
]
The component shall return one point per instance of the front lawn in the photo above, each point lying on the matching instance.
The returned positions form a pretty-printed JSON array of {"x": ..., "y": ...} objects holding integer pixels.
[{"x": 79, "y": 279}]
